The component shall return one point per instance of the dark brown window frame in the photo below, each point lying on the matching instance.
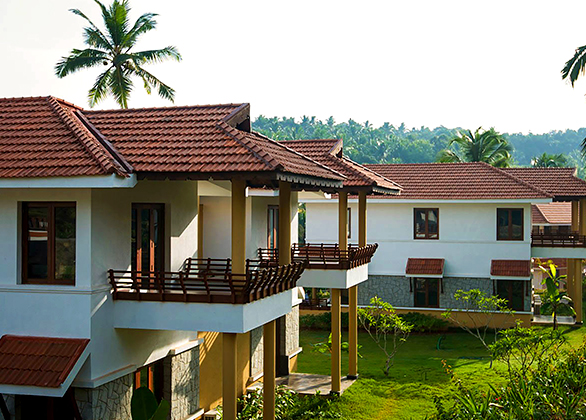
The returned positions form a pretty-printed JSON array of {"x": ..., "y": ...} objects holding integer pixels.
[
  {"x": 137, "y": 258},
  {"x": 426, "y": 209},
  {"x": 50, "y": 280},
  {"x": 509, "y": 288},
  {"x": 510, "y": 210},
  {"x": 155, "y": 378},
  {"x": 426, "y": 279}
]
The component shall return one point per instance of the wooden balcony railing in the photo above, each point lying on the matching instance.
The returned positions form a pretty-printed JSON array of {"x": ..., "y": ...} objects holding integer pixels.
[
  {"x": 558, "y": 240},
  {"x": 322, "y": 256},
  {"x": 205, "y": 280}
]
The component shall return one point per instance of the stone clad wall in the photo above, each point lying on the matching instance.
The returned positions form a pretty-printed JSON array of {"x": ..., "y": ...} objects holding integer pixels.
[
  {"x": 292, "y": 331},
  {"x": 397, "y": 291},
  {"x": 184, "y": 384},
  {"x": 256, "y": 351},
  {"x": 110, "y": 401}
]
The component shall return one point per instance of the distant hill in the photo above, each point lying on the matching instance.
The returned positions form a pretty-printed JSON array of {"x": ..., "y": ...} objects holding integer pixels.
[{"x": 366, "y": 143}]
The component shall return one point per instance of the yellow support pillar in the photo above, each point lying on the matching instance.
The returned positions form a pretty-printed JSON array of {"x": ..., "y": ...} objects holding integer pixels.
[
  {"x": 336, "y": 342},
  {"x": 353, "y": 294},
  {"x": 284, "y": 223},
  {"x": 336, "y": 301},
  {"x": 238, "y": 226},
  {"x": 229, "y": 340},
  {"x": 200, "y": 231},
  {"x": 269, "y": 367},
  {"x": 229, "y": 373},
  {"x": 578, "y": 303}
]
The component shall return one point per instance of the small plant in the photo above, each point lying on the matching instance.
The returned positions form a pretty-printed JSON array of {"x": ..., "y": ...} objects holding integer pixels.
[
  {"x": 479, "y": 310},
  {"x": 553, "y": 299},
  {"x": 380, "y": 321},
  {"x": 325, "y": 347},
  {"x": 144, "y": 406},
  {"x": 425, "y": 323},
  {"x": 522, "y": 348}
]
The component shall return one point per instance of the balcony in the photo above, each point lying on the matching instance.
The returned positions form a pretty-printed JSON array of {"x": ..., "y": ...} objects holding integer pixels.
[
  {"x": 205, "y": 296},
  {"x": 558, "y": 245},
  {"x": 326, "y": 265}
]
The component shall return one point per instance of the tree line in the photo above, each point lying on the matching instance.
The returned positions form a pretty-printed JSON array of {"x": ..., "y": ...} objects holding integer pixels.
[{"x": 387, "y": 143}]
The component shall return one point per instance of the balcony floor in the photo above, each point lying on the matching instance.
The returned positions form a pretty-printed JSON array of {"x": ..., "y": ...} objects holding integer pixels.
[{"x": 306, "y": 384}]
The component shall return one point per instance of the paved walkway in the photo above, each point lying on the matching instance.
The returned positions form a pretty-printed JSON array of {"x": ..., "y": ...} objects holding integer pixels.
[{"x": 306, "y": 384}]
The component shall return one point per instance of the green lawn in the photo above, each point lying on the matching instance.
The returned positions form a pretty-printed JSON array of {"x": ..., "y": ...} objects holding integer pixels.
[{"x": 416, "y": 377}]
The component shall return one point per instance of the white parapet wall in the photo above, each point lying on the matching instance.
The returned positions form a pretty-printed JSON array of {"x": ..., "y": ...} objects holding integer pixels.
[
  {"x": 334, "y": 279},
  {"x": 216, "y": 317},
  {"x": 557, "y": 252}
]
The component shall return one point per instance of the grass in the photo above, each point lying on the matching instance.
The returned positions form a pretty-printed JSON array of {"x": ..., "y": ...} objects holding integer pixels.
[{"x": 417, "y": 375}]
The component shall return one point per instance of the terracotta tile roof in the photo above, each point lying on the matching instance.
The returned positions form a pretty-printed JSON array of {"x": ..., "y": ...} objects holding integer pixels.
[
  {"x": 198, "y": 139},
  {"x": 40, "y": 138},
  {"x": 510, "y": 268},
  {"x": 556, "y": 213},
  {"x": 329, "y": 152},
  {"x": 559, "y": 182},
  {"x": 38, "y": 361},
  {"x": 423, "y": 266},
  {"x": 456, "y": 181}
]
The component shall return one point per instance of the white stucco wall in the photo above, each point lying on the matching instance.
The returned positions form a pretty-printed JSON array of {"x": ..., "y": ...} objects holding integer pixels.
[
  {"x": 103, "y": 220},
  {"x": 467, "y": 235}
]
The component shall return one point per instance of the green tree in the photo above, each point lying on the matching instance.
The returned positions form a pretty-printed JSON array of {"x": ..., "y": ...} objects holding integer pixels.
[
  {"x": 112, "y": 49},
  {"x": 547, "y": 160},
  {"x": 487, "y": 146},
  {"x": 553, "y": 298}
]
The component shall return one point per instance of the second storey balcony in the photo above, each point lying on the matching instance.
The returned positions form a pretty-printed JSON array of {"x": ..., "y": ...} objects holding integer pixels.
[
  {"x": 558, "y": 245},
  {"x": 327, "y": 265},
  {"x": 204, "y": 296}
]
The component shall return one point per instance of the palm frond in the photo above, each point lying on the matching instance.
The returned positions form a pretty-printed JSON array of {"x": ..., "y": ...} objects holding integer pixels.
[
  {"x": 142, "y": 25},
  {"x": 575, "y": 66},
  {"x": 164, "y": 91},
  {"x": 80, "y": 59},
  {"x": 99, "y": 90},
  {"x": 448, "y": 156},
  {"x": 92, "y": 34},
  {"x": 120, "y": 85},
  {"x": 116, "y": 20},
  {"x": 157, "y": 56}
]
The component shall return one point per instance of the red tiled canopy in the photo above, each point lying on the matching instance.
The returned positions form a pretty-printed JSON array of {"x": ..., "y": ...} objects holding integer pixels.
[
  {"x": 510, "y": 268},
  {"x": 556, "y": 213},
  {"x": 38, "y": 361},
  {"x": 425, "y": 266}
]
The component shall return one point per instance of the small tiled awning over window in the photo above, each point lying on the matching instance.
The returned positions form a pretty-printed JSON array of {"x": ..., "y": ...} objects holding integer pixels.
[
  {"x": 40, "y": 362},
  {"x": 513, "y": 269},
  {"x": 425, "y": 267}
]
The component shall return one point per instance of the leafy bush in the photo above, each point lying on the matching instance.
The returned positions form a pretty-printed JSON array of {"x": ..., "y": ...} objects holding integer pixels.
[
  {"x": 322, "y": 321},
  {"x": 288, "y": 406},
  {"x": 554, "y": 389},
  {"x": 425, "y": 323}
]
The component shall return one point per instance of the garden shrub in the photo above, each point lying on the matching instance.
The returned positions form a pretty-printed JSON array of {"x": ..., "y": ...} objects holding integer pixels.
[
  {"x": 425, "y": 323},
  {"x": 554, "y": 389},
  {"x": 289, "y": 406},
  {"x": 322, "y": 321}
]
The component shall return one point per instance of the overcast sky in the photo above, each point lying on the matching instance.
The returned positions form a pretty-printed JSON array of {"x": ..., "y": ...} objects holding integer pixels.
[{"x": 462, "y": 63}]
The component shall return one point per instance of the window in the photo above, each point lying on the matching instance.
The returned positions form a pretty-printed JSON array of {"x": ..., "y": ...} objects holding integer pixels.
[
  {"x": 426, "y": 224},
  {"x": 513, "y": 292},
  {"x": 147, "y": 233},
  {"x": 426, "y": 293},
  {"x": 48, "y": 255},
  {"x": 509, "y": 224},
  {"x": 151, "y": 377},
  {"x": 273, "y": 227}
]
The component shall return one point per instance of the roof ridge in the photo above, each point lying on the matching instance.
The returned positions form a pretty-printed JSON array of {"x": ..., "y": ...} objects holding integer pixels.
[
  {"x": 280, "y": 144},
  {"x": 256, "y": 151},
  {"x": 533, "y": 187},
  {"x": 166, "y": 107},
  {"x": 92, "y": 146},
  {"x": 371, "y": 171}
]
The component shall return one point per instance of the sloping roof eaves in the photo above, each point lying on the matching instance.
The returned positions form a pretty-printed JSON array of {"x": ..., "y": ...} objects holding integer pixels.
[
  {"x": 40, "y": 138},
  {"x": 561, "y": 183},
  {"x": 330, "y": 153}
]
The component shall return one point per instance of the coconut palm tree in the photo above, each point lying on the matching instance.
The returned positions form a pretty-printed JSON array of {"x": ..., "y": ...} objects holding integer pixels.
[
  {"x": 480, "y": 146},
  {"x": 112, "y": 49},
  {"x": 575, "y": 66},
  {"x": 549, "y": 161}
]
